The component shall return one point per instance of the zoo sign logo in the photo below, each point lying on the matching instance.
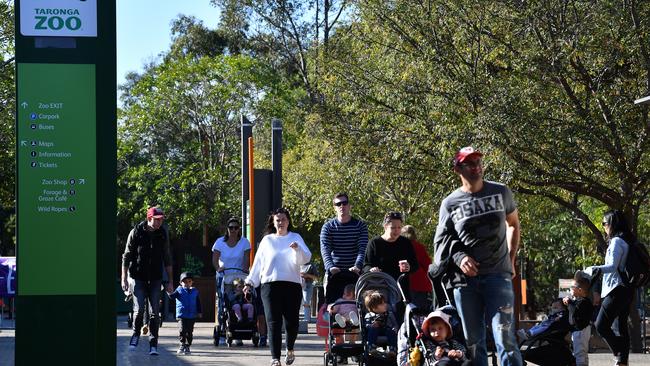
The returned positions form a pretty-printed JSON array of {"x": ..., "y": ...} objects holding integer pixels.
[{"x": 58, "y": 18}]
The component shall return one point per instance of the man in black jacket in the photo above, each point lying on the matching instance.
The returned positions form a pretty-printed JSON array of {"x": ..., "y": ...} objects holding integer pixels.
[{"x": 145, "y": 256}]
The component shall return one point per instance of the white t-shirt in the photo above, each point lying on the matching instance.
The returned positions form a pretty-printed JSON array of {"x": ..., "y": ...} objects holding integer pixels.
[
  {"x": 231, "y": 257},
  {"x": 276, "y": 261}
]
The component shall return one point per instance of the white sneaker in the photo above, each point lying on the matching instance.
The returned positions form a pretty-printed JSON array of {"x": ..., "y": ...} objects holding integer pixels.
[
  {"x": 153, "y": 351},
  {"x": 181, "y": 350},
  {"x": 340, "y": 320},
  {"x": 354, "y": 318}
]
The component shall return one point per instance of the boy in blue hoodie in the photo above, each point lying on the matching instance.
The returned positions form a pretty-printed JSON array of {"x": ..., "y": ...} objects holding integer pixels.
[{"x": 188, "y": 309}]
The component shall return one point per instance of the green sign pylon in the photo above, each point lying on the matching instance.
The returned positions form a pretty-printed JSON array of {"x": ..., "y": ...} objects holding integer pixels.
[{"x": 66, "y": 200}]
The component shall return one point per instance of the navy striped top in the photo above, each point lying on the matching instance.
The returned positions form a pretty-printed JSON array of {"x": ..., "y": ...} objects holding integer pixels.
[{"x": 343, "y": 245}]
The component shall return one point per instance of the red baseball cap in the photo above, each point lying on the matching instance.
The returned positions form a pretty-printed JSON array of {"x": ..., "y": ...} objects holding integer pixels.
[
  {"x": 464, "y": 153},
  {"x": 155, "y": 212}
]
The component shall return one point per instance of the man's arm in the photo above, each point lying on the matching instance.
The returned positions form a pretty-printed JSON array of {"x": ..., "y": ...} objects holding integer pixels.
[
  {"x": 326, "y": 248},
  {"x": 127, "y": 257},
  {"x": 513, "y": 236},
  {"x": 362, "y": 243}
]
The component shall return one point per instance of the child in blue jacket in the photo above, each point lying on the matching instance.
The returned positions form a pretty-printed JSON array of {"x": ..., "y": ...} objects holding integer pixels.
[{"x": 188, "y": 309}]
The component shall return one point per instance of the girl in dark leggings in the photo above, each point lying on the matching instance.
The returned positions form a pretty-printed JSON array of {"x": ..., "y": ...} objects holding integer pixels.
[
  {"x": 277, "y": 267},
  {"x": 616, "y": 297}
]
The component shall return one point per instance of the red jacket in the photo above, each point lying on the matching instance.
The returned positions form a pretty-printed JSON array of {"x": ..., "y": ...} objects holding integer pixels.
[{"x": 418, "y": 280}]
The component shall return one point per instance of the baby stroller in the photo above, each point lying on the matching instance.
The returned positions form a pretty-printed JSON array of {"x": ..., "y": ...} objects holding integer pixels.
[
  {"x": 390, "y": 289},
  {"x": 335, "y": 352},
  {"x": 227, "y": 326},
  {"x": 410, "y": 334},
  {"x": 551, "y": 347}
]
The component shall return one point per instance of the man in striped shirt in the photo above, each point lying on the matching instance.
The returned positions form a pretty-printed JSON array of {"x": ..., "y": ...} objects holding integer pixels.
[{"x": 343, "y": 241}]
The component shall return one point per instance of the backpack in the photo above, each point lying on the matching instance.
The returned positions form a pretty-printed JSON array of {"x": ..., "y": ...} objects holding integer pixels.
[{"x": 637, "y": 266}]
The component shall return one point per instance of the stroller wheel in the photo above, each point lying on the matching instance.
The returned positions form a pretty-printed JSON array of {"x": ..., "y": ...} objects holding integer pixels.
[
  {"x": 256, "y": 340},
  {"x": 326, "y": 359}
]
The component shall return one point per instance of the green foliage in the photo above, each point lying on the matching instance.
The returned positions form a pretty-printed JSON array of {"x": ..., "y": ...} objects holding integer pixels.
[
  {"x": 192, "y": 265},
  {"x": 179, "y": 137},
  {"x": 7, "y": 129}
]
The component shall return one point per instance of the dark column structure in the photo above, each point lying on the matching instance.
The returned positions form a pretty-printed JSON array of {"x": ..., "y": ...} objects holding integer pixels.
[
  {"x": 276, "y": 158},
  {"x": 246, "y": 132}
]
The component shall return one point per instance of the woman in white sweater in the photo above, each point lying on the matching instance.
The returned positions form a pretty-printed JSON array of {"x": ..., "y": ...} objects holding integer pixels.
[{"x": 277, "y": 268}]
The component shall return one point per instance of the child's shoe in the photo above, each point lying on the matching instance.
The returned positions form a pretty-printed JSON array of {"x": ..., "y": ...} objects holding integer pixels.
[
  {"x": 262, "y": 341},
  {"x": 354, "y": 318},
  {"x": 340, "y": 320}
]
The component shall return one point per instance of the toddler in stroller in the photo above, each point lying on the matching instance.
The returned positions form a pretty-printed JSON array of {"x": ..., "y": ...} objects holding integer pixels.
[
  {"x": 557, "y": 312},
  {"x": 433, "y": 339},
  {"x": 549, "y": 347},
  {"x": 440, "y": 348},
  {"x": 380, "y": 322},
  {"x": 344, "y": 323},
  {"x": 240, "y": 301},
  {"x": 239, "y": 327}
]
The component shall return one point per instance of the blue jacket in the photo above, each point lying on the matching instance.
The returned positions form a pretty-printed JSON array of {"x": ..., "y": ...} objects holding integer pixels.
[{"x": 188, "y": 304}]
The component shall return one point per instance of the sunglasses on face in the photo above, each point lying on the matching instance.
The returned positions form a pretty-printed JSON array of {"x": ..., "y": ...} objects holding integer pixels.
[
  {"x": 471, "y": 164},
  {"x": 340, "y": 203},
  {"x": 233, "y": 227}
]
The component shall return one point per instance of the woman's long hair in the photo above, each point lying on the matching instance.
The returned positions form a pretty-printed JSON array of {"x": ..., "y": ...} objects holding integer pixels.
[
  {"x": 230, "y": 221},
  {"x": 618, "y": 226},
  {"x": 270, "y": 228}
]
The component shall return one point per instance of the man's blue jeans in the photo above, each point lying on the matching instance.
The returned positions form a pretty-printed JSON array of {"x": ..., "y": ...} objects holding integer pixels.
[
  {"x": 489, "y": 298},
  {"x": 307, "y": 293},
  {"x": 143, "y": 291}
]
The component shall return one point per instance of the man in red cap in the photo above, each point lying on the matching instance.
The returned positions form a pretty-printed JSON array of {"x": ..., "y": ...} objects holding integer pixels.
[
  {"x": 476, "y": 244},
  {"x": 145, "y": 255}
]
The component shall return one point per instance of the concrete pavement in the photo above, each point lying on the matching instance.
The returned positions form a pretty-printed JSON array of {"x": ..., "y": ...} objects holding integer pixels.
[{"x": 309, "y": 350}]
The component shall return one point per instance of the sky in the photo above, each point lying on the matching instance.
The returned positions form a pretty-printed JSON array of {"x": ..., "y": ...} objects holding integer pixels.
[{"x": 143, "y": 28}]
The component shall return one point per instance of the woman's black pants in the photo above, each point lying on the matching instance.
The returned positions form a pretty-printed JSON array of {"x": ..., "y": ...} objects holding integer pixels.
[
  {"x": 282, "y": 300},
  {"x": 616, "y": 305}
]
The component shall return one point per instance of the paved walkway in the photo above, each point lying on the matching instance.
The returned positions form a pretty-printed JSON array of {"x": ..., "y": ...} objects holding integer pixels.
[{"x": 309, "y": 350}]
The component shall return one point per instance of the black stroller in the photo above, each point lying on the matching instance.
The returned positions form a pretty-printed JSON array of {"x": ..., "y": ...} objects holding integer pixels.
[{"x": 226, "y": 324}]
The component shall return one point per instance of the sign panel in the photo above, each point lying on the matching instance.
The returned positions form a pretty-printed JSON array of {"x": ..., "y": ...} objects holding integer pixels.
[
  {"x": 7, "y": 276},
  {"x": 58, "y": 18},
  {"x": 56, "y": 179}
]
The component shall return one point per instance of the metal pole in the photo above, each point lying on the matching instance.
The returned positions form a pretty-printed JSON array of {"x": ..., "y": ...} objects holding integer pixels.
[
  {"x": 276, "y": 159},
  {"x": 246, "y": 132},
  {"x": 251, "y": 191}
]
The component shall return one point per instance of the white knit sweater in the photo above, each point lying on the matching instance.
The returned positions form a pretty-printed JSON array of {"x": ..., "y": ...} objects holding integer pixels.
[{"x": 276, "y": 261}]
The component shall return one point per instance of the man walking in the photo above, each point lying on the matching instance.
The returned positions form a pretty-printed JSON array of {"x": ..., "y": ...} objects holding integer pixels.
[
  {"x": 477, "y": 239},
  {"x": 145, "y": 255},
  {"x": 343, "y": 241}
]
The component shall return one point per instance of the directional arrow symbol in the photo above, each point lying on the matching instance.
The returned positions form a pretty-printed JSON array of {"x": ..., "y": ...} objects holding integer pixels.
[
  {"x": 24, "y": 105},
  {"x": 23, "y": 143},
  {"x": 82, "y": 181}
]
